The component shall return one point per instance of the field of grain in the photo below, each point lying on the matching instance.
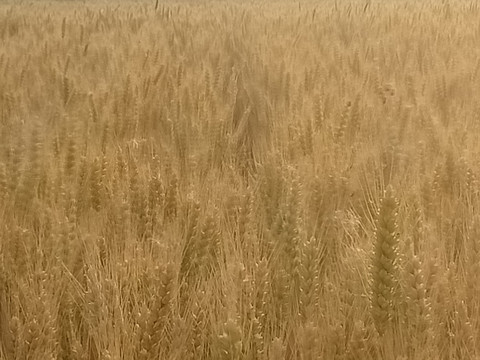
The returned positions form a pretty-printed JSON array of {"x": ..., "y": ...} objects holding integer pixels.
[{"x": 239, "y": 180}]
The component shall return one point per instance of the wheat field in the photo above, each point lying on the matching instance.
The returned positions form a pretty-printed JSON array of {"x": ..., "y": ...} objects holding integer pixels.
[{"x": 239, "y": 180}]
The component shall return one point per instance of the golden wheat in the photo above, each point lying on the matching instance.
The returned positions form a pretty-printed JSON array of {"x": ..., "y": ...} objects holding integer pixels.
[{"x": 214, "y": 180}]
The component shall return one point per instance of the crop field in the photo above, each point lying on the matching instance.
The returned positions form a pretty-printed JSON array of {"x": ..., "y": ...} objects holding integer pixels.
[{"x": 240, "y": 180}]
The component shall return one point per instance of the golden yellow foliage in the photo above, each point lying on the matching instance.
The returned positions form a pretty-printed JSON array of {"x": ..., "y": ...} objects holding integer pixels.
[{"x": 239, "y": 180}]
